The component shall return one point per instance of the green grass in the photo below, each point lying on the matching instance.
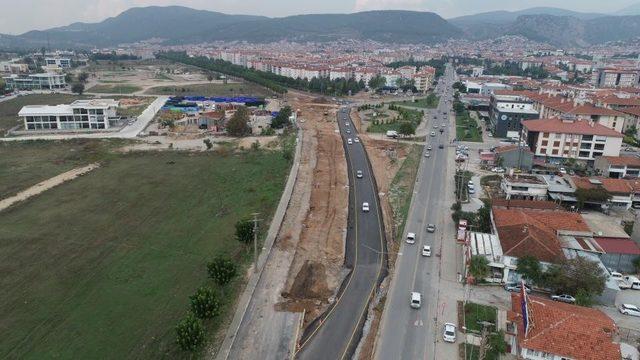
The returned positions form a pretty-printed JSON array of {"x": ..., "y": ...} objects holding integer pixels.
[
  {"x": 9, "y": 109},
  {"x": 475, "y": 313},
  {"x": 114, "y": 89},
  {"x": 162, "y": 76},
  {"x": 429, "y": 102},
  {"x": 467, "y": 128},
  {"x": 102, "y": 267},
  {"x": 401, "y": 188},
  {"x": 211, "y": 89},
  {"x": 404, "y": 115}
]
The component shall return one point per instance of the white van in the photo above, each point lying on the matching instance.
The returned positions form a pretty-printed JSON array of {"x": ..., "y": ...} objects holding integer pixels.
[
  {"x": 416, "y": 300},
  {"x": 632, "y": 281}
]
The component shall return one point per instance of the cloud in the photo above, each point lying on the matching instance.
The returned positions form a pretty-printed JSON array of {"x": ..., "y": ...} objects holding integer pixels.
[{"x": 389, "y": 4}]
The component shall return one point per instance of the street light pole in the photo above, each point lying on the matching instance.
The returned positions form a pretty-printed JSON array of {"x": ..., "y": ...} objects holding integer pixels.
[{"x": 255, "y": 242}]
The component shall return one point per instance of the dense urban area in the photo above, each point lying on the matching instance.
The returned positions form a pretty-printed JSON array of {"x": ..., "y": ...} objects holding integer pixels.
[{"x": 334, "y": 195}]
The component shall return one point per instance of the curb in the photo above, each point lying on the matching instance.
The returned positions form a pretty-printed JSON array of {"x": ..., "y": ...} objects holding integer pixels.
[{"x": 274, "y": 228}]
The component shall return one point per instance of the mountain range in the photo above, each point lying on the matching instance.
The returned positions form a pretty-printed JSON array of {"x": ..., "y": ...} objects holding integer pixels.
[{"x": 182, "y": 25}]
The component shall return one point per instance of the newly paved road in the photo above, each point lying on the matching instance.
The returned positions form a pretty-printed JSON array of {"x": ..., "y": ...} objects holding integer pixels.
[
  {"x": 338, "y": 334},
  {"x": 408, "y": 333}
]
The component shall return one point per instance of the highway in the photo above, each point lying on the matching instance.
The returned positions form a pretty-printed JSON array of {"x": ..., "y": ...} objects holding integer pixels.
[
  {"x": 338, "y": 333},
  {"x": 408, "y": 333}
]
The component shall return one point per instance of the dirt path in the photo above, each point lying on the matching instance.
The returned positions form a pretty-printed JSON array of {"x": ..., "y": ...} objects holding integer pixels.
[{"x": 46, "y": 185}]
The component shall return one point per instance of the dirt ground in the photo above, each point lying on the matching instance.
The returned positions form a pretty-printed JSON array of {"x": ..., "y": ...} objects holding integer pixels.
[{"x": 318, "y": 237}]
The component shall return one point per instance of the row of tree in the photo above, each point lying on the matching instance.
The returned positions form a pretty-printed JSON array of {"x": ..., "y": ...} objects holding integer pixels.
[
  {"x": 438, "y": 64},
  {"x": 206, "y": 303}
]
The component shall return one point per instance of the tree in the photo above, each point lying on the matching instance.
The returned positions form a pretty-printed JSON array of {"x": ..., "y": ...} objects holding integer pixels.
[
  {"x": 631, "y": 131},
  {"x": 210, "y": 76},
  {"x": 244, "y": 231},
  {"x": 282, "y": 119},
  {"x": 208, "y": 143},
  {"x": 479, "y": 267},
  {"x": 597, "y": 195},
  {"x": 222, "y": 270},
  {"x": 583, "y": 298},
  {"x": 460, "y": 87},
  {"x": 496, "y": 343},
  {"x": 68, "y": 78},
  {"x": 238, "y": 125},
  {"x": 406, "y": 128},
  {"x": 82, "y": 77},
  {"x": 529, "y": 268},
  {"x": 483, "y": 218},
  {"x": 77, "y": 88},
  {"x": 190, "y": 333},
  {"x": 377, "y": 82},
  {"x": 205, "y": 303},
  {"x": 576, "y": 274}
]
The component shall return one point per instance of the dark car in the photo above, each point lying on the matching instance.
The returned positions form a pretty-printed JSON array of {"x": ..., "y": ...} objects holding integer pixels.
[{"x": 440, "y": 146}]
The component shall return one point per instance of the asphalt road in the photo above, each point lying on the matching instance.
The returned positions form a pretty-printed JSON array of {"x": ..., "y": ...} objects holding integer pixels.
[
  {"x": 339, "y": 332},
  {"x": 408, "y": 333}
]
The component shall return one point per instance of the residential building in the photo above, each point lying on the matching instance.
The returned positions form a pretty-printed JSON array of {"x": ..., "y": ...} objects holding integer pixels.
[
  {"x": 13, "y": 68},
  {"x": 64, "y": 63},
  {"x": 525, "y": 187},
  {"x": 618, "y": 166},
  {"x": 554, "y": 330},
  {"x": 424, "y": 78},
  {"x": 619, "y": 253},
  {"x": 617, "y": 77},
  {"x": 48, "y": 81},
  {"x": 81, "y": 114},
  {"x": 507, "y": 111},
  {"x": 514, "y": 156},
  {"x": 620, "y": 190},
  {"x": 557, "y": 139}
]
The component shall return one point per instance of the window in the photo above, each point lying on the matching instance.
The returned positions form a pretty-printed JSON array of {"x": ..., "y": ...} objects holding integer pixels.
[
  {"x": 554, "y": 152},
  {"x": 544, "y": 135},
  {"x": 556, "y": 143},
  {"x": 545, "y": 142},
  {"x": 598, "y": 147},
  {"x": 519, "y": 188},
  {"x": 587, "y": 137},
  {"x": 29, "y": 118},
  {"x": 543, "y": 150},
  {"x": 584, "y": 154},
  {"x": 100, "y": 112},
  {"x": 585, "y": 146}
]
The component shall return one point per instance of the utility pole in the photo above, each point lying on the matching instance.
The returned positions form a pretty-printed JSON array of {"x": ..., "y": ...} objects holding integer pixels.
[
  {"x": 484, "y": 340},
  {"x": 255, "y": 242}
]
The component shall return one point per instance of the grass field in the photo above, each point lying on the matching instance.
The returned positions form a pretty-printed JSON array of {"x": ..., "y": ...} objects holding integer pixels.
[
  {"x": 26, "y": 163},
  {"x": 114, "y": 89},
  {"x": 9, "y": 109},
  {"x": 102, "y": 267},
  {"x": 404, "y": 115},
  {"x": 475, "y": 313},
  {"x": 211, "y": 89},
  {"x": 429, "y": 102},
  {"x": 401, "y": 188}
]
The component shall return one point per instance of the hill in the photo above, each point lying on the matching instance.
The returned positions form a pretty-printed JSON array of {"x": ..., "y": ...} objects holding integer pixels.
[
  {"x": 505, "y": 17},
  {"x": 633, "y": 9},
  {"x": 176, "y": 24}
]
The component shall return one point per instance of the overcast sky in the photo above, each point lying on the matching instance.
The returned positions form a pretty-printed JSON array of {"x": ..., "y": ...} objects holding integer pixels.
[{"x": 18, "y": 16}]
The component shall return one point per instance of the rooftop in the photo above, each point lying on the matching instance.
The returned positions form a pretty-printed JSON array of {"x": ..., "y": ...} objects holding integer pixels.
[
  {"x": 566, "y": 330},
  {"x": 623, "y": 160},
  {"x": 525, "y": 179},
  {"x": 559, "y": 126}
]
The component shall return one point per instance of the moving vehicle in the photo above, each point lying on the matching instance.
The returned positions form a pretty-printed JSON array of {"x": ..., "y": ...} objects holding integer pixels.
[
  {"x": 356, "y": 139},
  {"x": 449, "y": 333},
  {"x": 365, "y": 206},
  {"x": 431, "y": 228},
  {"x": 629, "y": 309},
  {"x": 429, "y": 147},
  {"x": 359, "y": 174},
  {"x": 416, "y": 300},
  {"x": 427, "y": 154},
  {"x": 411, "y": 238},
  {"x": 440, "y": 146},
  {"x": 349, "y": 141},
  {"x": 516, "y": 287},
  {"x": 564, "y": 298},
  {"x": 433, "y": 133},
  {"x": 426, "y": 250}
]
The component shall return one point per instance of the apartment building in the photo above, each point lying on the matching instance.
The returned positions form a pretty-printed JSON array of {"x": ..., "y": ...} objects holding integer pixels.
[
  {"x": 44, "y": 81},
  {"x": 617, "y": 77},
  {"x": 63, "y": 63},
  {"x": 507, "y": 111},
  {"x": 81, "y": 114},
  {"x": 424, "y": 78},
  {"x": 558, "y": 139},
  {"x": 618, "y": 166},
  {"x": 13, "y": 68}
]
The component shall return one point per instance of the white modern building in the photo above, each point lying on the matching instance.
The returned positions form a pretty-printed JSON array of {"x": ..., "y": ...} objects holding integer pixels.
[
  {"x": 64, "y": 63},
  {"x": 81, "y": 114},
  {"x": 42, "y": 81},
  {"x": 526, "y": 187}
]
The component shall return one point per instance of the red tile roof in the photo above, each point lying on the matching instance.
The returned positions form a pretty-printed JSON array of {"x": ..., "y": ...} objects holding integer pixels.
[
  {"x": 534, "y": 232},
  {"x": 565, "y": 330},
  {"x": 506, "y": 148},
  {"x": 525, "y": 204},
  {"x": 589, "y": 109},
  {"x": 618, "y": 245},
  {"x": 615, "y": 186},
  {"x": 635, "y": 111},
  {"x": 623, "y": 160},
  {"x": 558, "y": 126}
]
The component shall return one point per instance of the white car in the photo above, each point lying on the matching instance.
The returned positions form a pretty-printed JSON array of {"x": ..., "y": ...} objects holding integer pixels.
[
  {"x": 365, "y": 206},
  {"x": 356, "y": 140},
  {"x": 416, "y": 300},
  {"x": 359, "y": 174},
  {"x": 472, "y": 190},
  {"x": 564, "y": 298},
  {"x": 498, "y": 170},
  {"x": 429, "y": 147},
  {"x": 349, "y": 141},
  {"x": 433, "y": 133},
  {"x": 435, "y": 126},
  {"x": 449, "y": 333},
  {"x": 411, "y": 238},
  {"x": 628, "y": 309},
  {"x": 346, "y": 124},
  {"x": 426, "y": 250},
  {"x": 563, "y": 170},
  {"x": 427, "y": 154},
  {"x": 431, "y": 228}
]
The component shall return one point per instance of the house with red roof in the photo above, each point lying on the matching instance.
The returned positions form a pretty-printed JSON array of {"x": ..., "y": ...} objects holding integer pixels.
[
  {"x": 618, "y": 167},
  {"x": 547, "y": 329}
]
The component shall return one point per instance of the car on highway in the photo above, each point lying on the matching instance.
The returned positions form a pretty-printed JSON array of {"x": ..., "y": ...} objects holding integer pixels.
[
  {"x": 411, "y": 238},
  {"x": 433, "y": 133},
  {"x": 564, "y": 298},
  {"x": 349, "y": 141},
  {"x": 416, "y": 300},
  {"x": 435, "y": 126},
  {"x": 429, "y": 147},
  {"x": 431, "y": 228},
  {"x": 359, "y": 174},
  {"x": 365, "y": 207},
  {"x": 443, "y": 124},
  {"x": 449, "y": 333},
  {"x": 516, "y": 287},
  {"x": 346, "y": 124},
  {"x": 426, "y": 250},
  {"x": 427, "y": 154},
  {"x": 629, "y": 309},
  {"x": 356, "y": 139},
  {"x": 440, "y": 146},
  {"x": 348, "y": 131}
]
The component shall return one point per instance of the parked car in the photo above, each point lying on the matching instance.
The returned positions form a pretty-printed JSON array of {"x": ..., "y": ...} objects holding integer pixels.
[
  {"x": 472, "y": 190},
  {"x": 426, "y": 250},
  {"x": 616, "y": 275},
  {"x": 564, "y": 298},
  {"x": 431, "y": 228},
  {"x": 629, "y": 309},
  {"x": 623, "y": 285},
  {"x": 365, "y": 206},
  {"x": 633, "y": 281},
  {"x": 516, "y": 287},
  {"x": 416, "y": 300},
  {"x": 359, "y": 174},
  {"x": 497, "y": 170},
  {"x": 449, "y": 333},
  {"x": 563, "y": 170},
  {"x": 411, "y": 238}
]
